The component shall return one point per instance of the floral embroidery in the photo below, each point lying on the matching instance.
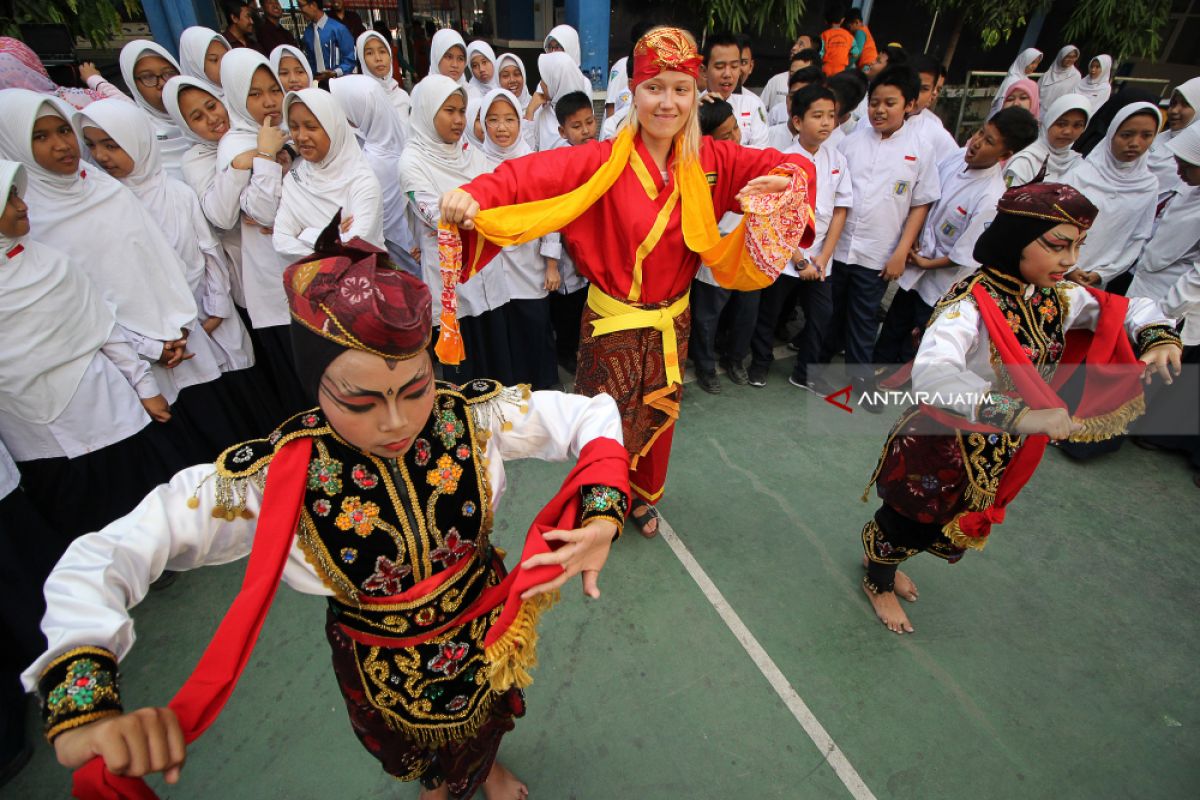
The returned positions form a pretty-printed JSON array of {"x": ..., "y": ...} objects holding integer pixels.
[
  {"x": 310, "y": 420},
  {"x": 1014, "y": 321},
  {"x": 455, "y": 549},
  {"x": 275, "y": 436},
  {"x": 601, "y": 499},
  {"x": 387, "y": 576},
  {"x": 85, "y": 685},
  {"x": 481, "y": 386},
  {"x": 449, "y": 658},
  {"x": 363, "y": 477},
  {"x": 356, "y": 289},
  {"x": 425, "y": 616},
  {"x": 321, "y": 507},
  {"x": 323, "y": 474},
  {"x": 444, "y": 477},
  {"x": 457, "y": 704},
  {"x": 357, "y": 515},
  {"x": 243, "y": 455},
  {"x": 349, "y": 555},
  {"x": 448, "y": 427},
  {"x": 468, "y": 509},
  {"x": 422, "y": 450},
  {"x": 463, "y": 452},
  {"x": 1048, "y": 311}
]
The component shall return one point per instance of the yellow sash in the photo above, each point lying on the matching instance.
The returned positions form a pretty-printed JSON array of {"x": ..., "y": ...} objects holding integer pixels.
[{"x": 618, "y": 316}]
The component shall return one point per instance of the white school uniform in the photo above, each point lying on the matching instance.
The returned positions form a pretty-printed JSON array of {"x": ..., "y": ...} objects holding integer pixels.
[
  {"x": 955, "y": 357},
  {"x": 176, "y": 209},
  {"x": 751, "y": 117},
  {"x": 258, "y": 201},
  {"x": 931, "y": 128},
  {"x": 85, "y": 607},
  {"x": 774, "y": 94},
  {"x": 313, "y": 193},
  {"x": 889, "y": 177},
  {"x": 1168, "y": 270},
  {"x": 834, "y": 190},
  {"x": 965, "y": 209},
  {"x": 552, "y": 246},
  {"x": 397, "y": 98},
  {"x": 780, "y": 137},
  {"x": 1026, "y": 165},
  {"x": 562, "y": 77},
  {"x": 1125, "y": 194},
  {"x": 618, "y": 95},
  {"x": 171, "y": 140}
]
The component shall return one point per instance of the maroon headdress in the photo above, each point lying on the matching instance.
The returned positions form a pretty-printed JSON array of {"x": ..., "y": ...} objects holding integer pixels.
[{"x": 1025, "y": 213}]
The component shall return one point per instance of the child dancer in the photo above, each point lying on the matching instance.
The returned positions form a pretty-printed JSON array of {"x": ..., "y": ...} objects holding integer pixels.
[
  {"x": 375, "y": 56},
  {"x": 200, "y": 52},
  {"x": 431, "y": 641},
  {"x": 1051, "y": 157},
  {"x": 1000, "y": 336},
  {"x": 380, "y": 133},
  {"x": 332, "y": 177}
]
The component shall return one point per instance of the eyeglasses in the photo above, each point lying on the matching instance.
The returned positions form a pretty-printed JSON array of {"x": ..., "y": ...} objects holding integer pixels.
[{"x": 153, "y": 81}]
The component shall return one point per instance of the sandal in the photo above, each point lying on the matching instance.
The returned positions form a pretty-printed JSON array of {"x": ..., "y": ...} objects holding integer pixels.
[{"x": 647, "y": 515}]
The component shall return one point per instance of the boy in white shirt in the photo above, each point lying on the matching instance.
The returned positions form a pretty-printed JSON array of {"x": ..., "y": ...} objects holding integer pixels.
[
  {"x": 851, "y": 90},
  {"x": 923, "y": 119},
  {"x": 776, "y": 92},
  {"x": 894, "y": 176},
  {"x": 782, "y": 133},
  {"x": 814, "y": 116},
  {"x": 568, "y": 289},
  {"x": 972, "y": 182},
  {"x": 723, "y": 73}
]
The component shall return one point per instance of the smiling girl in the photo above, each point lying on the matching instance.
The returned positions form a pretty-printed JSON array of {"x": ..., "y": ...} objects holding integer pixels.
[{"x": 291, "y": 68}]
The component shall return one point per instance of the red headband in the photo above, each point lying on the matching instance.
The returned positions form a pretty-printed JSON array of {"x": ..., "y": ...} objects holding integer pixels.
[{"x": 662, "y": 50}]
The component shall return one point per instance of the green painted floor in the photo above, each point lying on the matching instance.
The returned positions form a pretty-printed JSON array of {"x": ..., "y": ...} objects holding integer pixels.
[{"x": 1058, "y": 663}]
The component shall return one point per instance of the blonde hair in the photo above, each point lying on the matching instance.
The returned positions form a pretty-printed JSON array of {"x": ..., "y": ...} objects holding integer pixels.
[{"x": 687, "y": 141}]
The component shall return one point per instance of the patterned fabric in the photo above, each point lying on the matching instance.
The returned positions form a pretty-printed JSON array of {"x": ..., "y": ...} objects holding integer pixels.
[
  {"x": 1153, "y": 336},
  {"x": 603, "y": 502},
  {"x": 1055, "y": 202},
  {"x": 661, "y": 50},
  {"x": 629, "y": 366},
  {"x": 79, "y": 687},
  {"x": 462, "y": 764},
  {"x": 890, "y": 539}
]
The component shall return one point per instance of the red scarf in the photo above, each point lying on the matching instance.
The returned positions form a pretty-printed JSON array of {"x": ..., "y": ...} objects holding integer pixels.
[
  {"x": 509, "y": 643},
  {"x": 1112, "y": 397}
]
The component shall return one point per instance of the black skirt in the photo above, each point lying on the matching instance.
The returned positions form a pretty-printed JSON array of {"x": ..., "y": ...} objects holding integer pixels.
[
  {"x": 531, "y": 342},
  {"x": 489, "y": 354},
  {"x": 275, "y": 356}
]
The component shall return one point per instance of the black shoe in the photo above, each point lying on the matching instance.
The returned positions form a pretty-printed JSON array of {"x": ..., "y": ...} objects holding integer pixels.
[
  {"x": 757, "y": 375},
  {"x": 817, "y": 386},
  {"x": 164, "y": 580},
  {"x": 709, "y": 382},
  {"x": 736, "y": 372},
  {"x": 870, "y": 402}
]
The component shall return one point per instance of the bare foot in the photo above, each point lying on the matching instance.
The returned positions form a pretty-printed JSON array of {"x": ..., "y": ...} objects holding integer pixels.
[
  {"x": 904, "y": 584},
  {"x": 503, "y": 785},
  {"x": 440, "y": 793},
  {"x": 888, "y": 609},
  {"x": 651, "y": 527}
]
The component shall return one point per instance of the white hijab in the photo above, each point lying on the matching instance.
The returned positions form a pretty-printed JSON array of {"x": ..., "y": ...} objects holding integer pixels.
[
  {"x": 170, "y": 203},
  {"x": 524, "y": 97},
  {"x": 393, "y": 91},
  {"x": 1059, "y": 80},
  {"x": 1162, "y": 160},
  {"x": 382, "y": 136},
  {"x": 314, "y": 192},
  {"x": 1016, "y": 72},
  {"x": 193, "y": 49},
  {"x": 100, "y": 225},
  {"x": 1172, "y": 242},
  {"x": 130, "y": 55},
  {"x": 568, "y": 37},
  {"x": 429, "y": 164},
  {"x": 199, "y": 163},
  {"x": 474, "y": 106},
  {"x": 480, "y": 47},
  {"x": 53, "y": 321},
  {"x": 1056, "y": 160},
  {"x": 237, "y": 71},
  {"x": 442, "y": 41},
  {"x": 496, "y": 153},
  {"x": 1097, "y": 91},
  {"x": 295, "y": 52},
  {"x": 561, "y": 76}
]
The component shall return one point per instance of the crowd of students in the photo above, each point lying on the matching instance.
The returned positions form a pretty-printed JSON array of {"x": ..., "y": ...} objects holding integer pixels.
[{"x": 146, "y": 234}]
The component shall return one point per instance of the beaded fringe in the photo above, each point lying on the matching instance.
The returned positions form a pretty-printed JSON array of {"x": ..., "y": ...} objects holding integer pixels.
[
  {"x": 1114, "y": 423},
  {"x": 512, "y": 655},
  {"x": 955, "y": 534}
]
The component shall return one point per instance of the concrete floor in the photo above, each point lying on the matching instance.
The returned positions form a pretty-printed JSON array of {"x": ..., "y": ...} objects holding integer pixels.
[{"x": 1056, "y": 663}]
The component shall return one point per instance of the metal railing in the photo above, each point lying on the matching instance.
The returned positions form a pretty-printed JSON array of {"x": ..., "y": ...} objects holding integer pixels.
[{"x": 967, "y": 93}]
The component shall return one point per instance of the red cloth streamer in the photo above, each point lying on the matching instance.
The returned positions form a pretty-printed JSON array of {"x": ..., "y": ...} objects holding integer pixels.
[
  {"x": 1113, "y": 380},
  {"x": 203, "y": 695},
  {"x": 200, "y": 700}
]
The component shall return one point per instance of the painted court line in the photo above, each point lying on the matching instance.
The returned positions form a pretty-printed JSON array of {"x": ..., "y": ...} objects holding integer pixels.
[{"x": 800, "y": 710}]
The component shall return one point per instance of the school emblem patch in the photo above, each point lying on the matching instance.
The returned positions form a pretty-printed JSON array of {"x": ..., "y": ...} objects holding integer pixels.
[{"x": 900, "y": 189}]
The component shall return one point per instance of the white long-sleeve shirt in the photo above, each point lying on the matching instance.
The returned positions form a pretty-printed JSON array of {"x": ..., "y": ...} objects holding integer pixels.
[
  {"x": 102, "y": 575},
  {"x": 1168, "y": 269},
  {"x": 262, "y": 267}
]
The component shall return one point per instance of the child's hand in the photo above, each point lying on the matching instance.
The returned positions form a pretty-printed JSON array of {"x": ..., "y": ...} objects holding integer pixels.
[
  {"x": 809, "y": 272},
  {"x": 270, "y": 138},
  {"x": 1083, "y": 277},
  {"x": 821, "y": 262},
  {"x": 1162, "y": 361},
  {"x": 553, "y": 276},
  {"x": 244, "y": 160},
  {"x": 158, "y": 408},
  {"x": 458, "y": 208},
  {"x": 1054, "y": 422},
  {"x": 585, "y": 551},
  {"x": 135, "y": 744},
  {"x": 347, "y": 223},
  {"x": 211, "y": 324},
  {"x": 894, "y": 267},
  {"x": 87, "y": 70}
]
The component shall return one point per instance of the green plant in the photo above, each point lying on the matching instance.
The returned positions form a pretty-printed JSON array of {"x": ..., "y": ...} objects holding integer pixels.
[
  {"x": 95, "y": 20},
  {"x": 756, "y": 15},
  {"x": 1121, "y": 28}
]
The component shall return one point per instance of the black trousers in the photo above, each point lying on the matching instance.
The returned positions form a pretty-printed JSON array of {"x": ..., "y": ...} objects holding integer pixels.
[
  {"x": 891, "y": 538},
  {"x": 707, "y": 304},
  {"x": 816, "y": 298},
  {"x": 895, "y": 344},
  {"x": 857, "y": 293}
]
